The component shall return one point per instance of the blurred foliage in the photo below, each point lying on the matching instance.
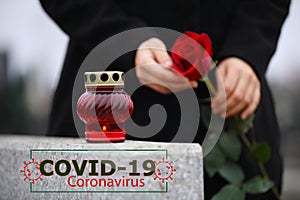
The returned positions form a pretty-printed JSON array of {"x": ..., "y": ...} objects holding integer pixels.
[{"x": 14, "y": 114}]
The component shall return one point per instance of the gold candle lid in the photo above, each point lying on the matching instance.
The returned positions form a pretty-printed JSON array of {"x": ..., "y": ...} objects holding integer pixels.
[{"x": 103, "y": 78}]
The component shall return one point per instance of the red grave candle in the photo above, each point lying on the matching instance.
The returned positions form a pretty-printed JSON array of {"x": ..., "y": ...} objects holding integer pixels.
[{"x": 104, "y": 107}]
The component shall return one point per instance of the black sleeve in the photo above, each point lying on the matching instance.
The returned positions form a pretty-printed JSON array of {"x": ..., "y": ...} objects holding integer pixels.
[
  {"x": 254, "y": 32},
  {"x": 88, "y": 22}
]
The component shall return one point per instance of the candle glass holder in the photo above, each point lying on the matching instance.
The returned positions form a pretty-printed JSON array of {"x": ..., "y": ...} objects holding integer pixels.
[{"x": 104, "y": 107}]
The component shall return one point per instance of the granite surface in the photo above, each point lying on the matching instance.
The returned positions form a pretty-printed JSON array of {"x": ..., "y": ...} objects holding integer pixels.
[{"x": 185, "y": 161}]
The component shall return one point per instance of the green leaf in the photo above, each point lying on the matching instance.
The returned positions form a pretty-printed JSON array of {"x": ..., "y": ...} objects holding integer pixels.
[
  {"x": 246, "y": 124},
  {"x": 257, "y": 185},
  {"x": 260, "y": 152},
  {"x": 230, "y": 144},
  {"x": 230, "y": 192},
  {"x": 232, "y": 172},
  {"x": 239, "y": 124},
  {"x": 213, "y": 161}
]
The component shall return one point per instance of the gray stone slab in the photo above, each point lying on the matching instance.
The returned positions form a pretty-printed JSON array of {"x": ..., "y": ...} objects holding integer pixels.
[{"x": 187, "y": 181}]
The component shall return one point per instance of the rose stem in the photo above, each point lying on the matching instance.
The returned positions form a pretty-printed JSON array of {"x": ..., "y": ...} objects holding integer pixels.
[
  {"x": 261, "y": 167},
  {"x": 210, "y": 86}
]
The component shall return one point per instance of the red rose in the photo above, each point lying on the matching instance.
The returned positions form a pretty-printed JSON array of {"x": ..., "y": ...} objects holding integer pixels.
[{"x": 191, "y": 55}]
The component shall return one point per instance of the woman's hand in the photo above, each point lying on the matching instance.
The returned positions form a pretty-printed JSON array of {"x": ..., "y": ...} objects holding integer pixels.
[
  {"x": 154, "y": 68},
  {"x": 242, "y": 89}
]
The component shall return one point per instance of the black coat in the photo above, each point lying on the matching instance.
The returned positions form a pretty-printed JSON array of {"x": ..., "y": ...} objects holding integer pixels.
[{"x": 248, "y": 29}]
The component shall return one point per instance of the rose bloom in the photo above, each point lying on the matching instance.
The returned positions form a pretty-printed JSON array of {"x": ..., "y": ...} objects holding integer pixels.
[{"x": 192, "y": 59}]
